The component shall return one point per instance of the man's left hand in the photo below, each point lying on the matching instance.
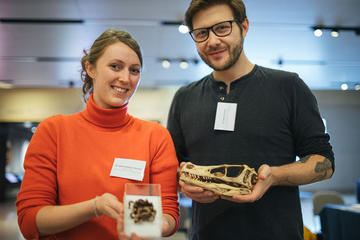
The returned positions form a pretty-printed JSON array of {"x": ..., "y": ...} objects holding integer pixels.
[{"x": 265, "y": 179}]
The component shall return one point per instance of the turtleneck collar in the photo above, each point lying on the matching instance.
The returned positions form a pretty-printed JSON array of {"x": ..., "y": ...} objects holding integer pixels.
[{"x": 102, "y": 117}]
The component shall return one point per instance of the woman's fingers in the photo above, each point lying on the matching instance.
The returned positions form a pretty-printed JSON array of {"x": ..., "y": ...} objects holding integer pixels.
[{"x": 109, "y": 205}]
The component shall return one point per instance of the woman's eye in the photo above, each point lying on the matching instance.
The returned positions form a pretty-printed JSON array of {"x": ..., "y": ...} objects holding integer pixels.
[
  {"x": 135, "y": 70},
  {"x": 114, "y": 66}
]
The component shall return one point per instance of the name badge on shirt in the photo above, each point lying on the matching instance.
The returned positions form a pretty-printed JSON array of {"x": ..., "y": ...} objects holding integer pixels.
[
  {"x": 128, "y": 168},
  {"x": 225, "y": 116}
]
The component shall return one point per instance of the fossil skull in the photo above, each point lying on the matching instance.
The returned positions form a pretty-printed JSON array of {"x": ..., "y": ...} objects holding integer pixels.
[{"x": 223, "y": 179}]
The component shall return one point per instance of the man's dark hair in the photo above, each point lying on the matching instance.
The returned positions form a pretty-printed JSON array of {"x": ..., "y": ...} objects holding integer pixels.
[{"x": 237, "y": 7}]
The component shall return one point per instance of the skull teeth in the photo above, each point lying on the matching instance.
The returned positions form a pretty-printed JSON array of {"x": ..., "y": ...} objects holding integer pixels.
[{"x": 206, "y": 179}]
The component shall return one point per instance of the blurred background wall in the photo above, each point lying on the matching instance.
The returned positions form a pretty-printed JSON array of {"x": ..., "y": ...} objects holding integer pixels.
[{"x": 22, "y": 109}]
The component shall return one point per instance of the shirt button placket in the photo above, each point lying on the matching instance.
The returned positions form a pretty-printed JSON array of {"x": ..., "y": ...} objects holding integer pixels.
[{"x": 221, "y": 89}]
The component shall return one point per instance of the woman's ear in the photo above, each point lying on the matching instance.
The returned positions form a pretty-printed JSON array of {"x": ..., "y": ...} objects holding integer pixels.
[{"x": 90, "y": 70}]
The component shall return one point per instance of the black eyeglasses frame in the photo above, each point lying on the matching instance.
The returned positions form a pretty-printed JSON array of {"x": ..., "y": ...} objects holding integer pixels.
[{"x": 212, "y": 29}]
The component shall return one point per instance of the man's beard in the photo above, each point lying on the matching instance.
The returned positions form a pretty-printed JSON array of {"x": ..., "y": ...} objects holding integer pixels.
[{"x": 234, "y": 56}]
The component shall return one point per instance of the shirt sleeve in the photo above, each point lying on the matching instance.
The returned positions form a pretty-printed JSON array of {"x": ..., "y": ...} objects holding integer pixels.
[
  {"x": 174, "y": 126},
  {"x": 309, "y": 129},
  {"x": 163, "y": 170},
  {"x": 39, "y": 186}
]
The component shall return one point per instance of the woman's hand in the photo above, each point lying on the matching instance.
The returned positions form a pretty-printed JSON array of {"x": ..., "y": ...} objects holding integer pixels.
[
  {"x": 108, "y": 205},
  {"x": 168, "y": 226},
  {"x": 120, "y": 229}
]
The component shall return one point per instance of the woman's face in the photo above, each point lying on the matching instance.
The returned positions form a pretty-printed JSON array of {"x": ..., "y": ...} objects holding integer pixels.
[{"x": 115, "y": 75}]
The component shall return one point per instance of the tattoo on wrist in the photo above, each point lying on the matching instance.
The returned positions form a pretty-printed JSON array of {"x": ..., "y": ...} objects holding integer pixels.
[{"x": 323, "y": 166}]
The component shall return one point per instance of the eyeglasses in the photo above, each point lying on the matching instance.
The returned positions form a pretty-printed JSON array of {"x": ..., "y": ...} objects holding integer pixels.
[{"x": 221, "y": 29}]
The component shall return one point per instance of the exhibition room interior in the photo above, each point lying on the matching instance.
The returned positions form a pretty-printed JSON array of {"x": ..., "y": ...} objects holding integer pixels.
[{"x": 42, "y": 42}]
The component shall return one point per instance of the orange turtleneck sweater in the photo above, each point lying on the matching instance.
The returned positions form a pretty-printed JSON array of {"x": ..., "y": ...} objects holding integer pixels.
[{"x": 69, "y": 160}]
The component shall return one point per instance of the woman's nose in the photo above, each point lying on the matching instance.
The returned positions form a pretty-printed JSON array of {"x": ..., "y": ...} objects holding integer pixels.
[{"x": 124, "y": 76}]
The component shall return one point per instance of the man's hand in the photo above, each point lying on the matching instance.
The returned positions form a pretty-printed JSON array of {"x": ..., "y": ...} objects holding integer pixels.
[
  {"x": 197, "y": 193},
  {"x": 265, "y": 180}
]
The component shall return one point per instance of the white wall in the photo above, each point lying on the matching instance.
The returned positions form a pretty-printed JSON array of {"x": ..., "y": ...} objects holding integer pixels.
[{"x": 152, "y": 104}]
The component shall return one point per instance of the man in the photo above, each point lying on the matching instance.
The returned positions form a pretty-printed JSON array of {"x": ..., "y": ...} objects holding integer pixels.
[{"x": 246, "y": 114}]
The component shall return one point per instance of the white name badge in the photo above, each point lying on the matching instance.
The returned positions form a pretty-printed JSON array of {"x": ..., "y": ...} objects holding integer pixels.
[
  {"x": 128, "y": 168},
  {"x": 225, "y": 116}
]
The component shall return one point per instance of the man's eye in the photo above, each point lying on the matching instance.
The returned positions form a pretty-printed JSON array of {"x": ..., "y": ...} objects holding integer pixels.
[
  {"x": 201, "y": 33},
  {"x": 222, "y": 28}
]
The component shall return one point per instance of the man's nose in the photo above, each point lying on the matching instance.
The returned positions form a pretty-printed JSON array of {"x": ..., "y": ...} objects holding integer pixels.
[{"x": 213, "y": 40}]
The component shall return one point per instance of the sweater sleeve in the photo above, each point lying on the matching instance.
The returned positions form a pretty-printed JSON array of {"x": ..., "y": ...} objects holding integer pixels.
[
  {"x": 163, "y": 170},
  {"x": 39, "y": 186},
  {"x": 309, "y": 129}
]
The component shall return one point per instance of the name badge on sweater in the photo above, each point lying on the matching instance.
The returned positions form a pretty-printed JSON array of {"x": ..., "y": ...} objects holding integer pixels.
[
  {"x": 225, "y": 116},
  {"x": 128, "y": 168}
]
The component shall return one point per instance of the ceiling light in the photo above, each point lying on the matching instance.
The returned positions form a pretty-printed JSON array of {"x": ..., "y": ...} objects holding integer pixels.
[
  {"x": 165, "y": 63},
  {"x": 335, "y": 30},
  {"x": 334, "y": 33},
  {"x": 183, "y": 29},
  {"x": 344, "y": 86},
  {"x": 318, "y": 32},
  {"x": 184, "y": 64}
]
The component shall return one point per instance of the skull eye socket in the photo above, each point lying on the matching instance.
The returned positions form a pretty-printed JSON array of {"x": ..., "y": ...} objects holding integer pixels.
[
  {"x": 189, "y": 166},
  {"x": 254, "y": 179},
  {"x": 219, "y": 172},
  {"x": 234, "y": 171}
]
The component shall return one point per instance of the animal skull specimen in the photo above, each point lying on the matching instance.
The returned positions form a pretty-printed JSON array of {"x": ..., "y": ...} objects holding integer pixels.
[{"x": 223, "y": 179}]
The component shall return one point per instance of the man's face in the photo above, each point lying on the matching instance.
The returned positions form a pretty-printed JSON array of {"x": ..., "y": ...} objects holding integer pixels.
[{"x": 220, "y": 53}]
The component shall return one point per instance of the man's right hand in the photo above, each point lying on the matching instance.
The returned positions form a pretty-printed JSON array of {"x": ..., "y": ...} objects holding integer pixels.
[{"x": 197, "y": 193}]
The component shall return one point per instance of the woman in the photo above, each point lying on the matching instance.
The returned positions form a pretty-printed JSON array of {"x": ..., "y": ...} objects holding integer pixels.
[{"x": 68, "y": 190}]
